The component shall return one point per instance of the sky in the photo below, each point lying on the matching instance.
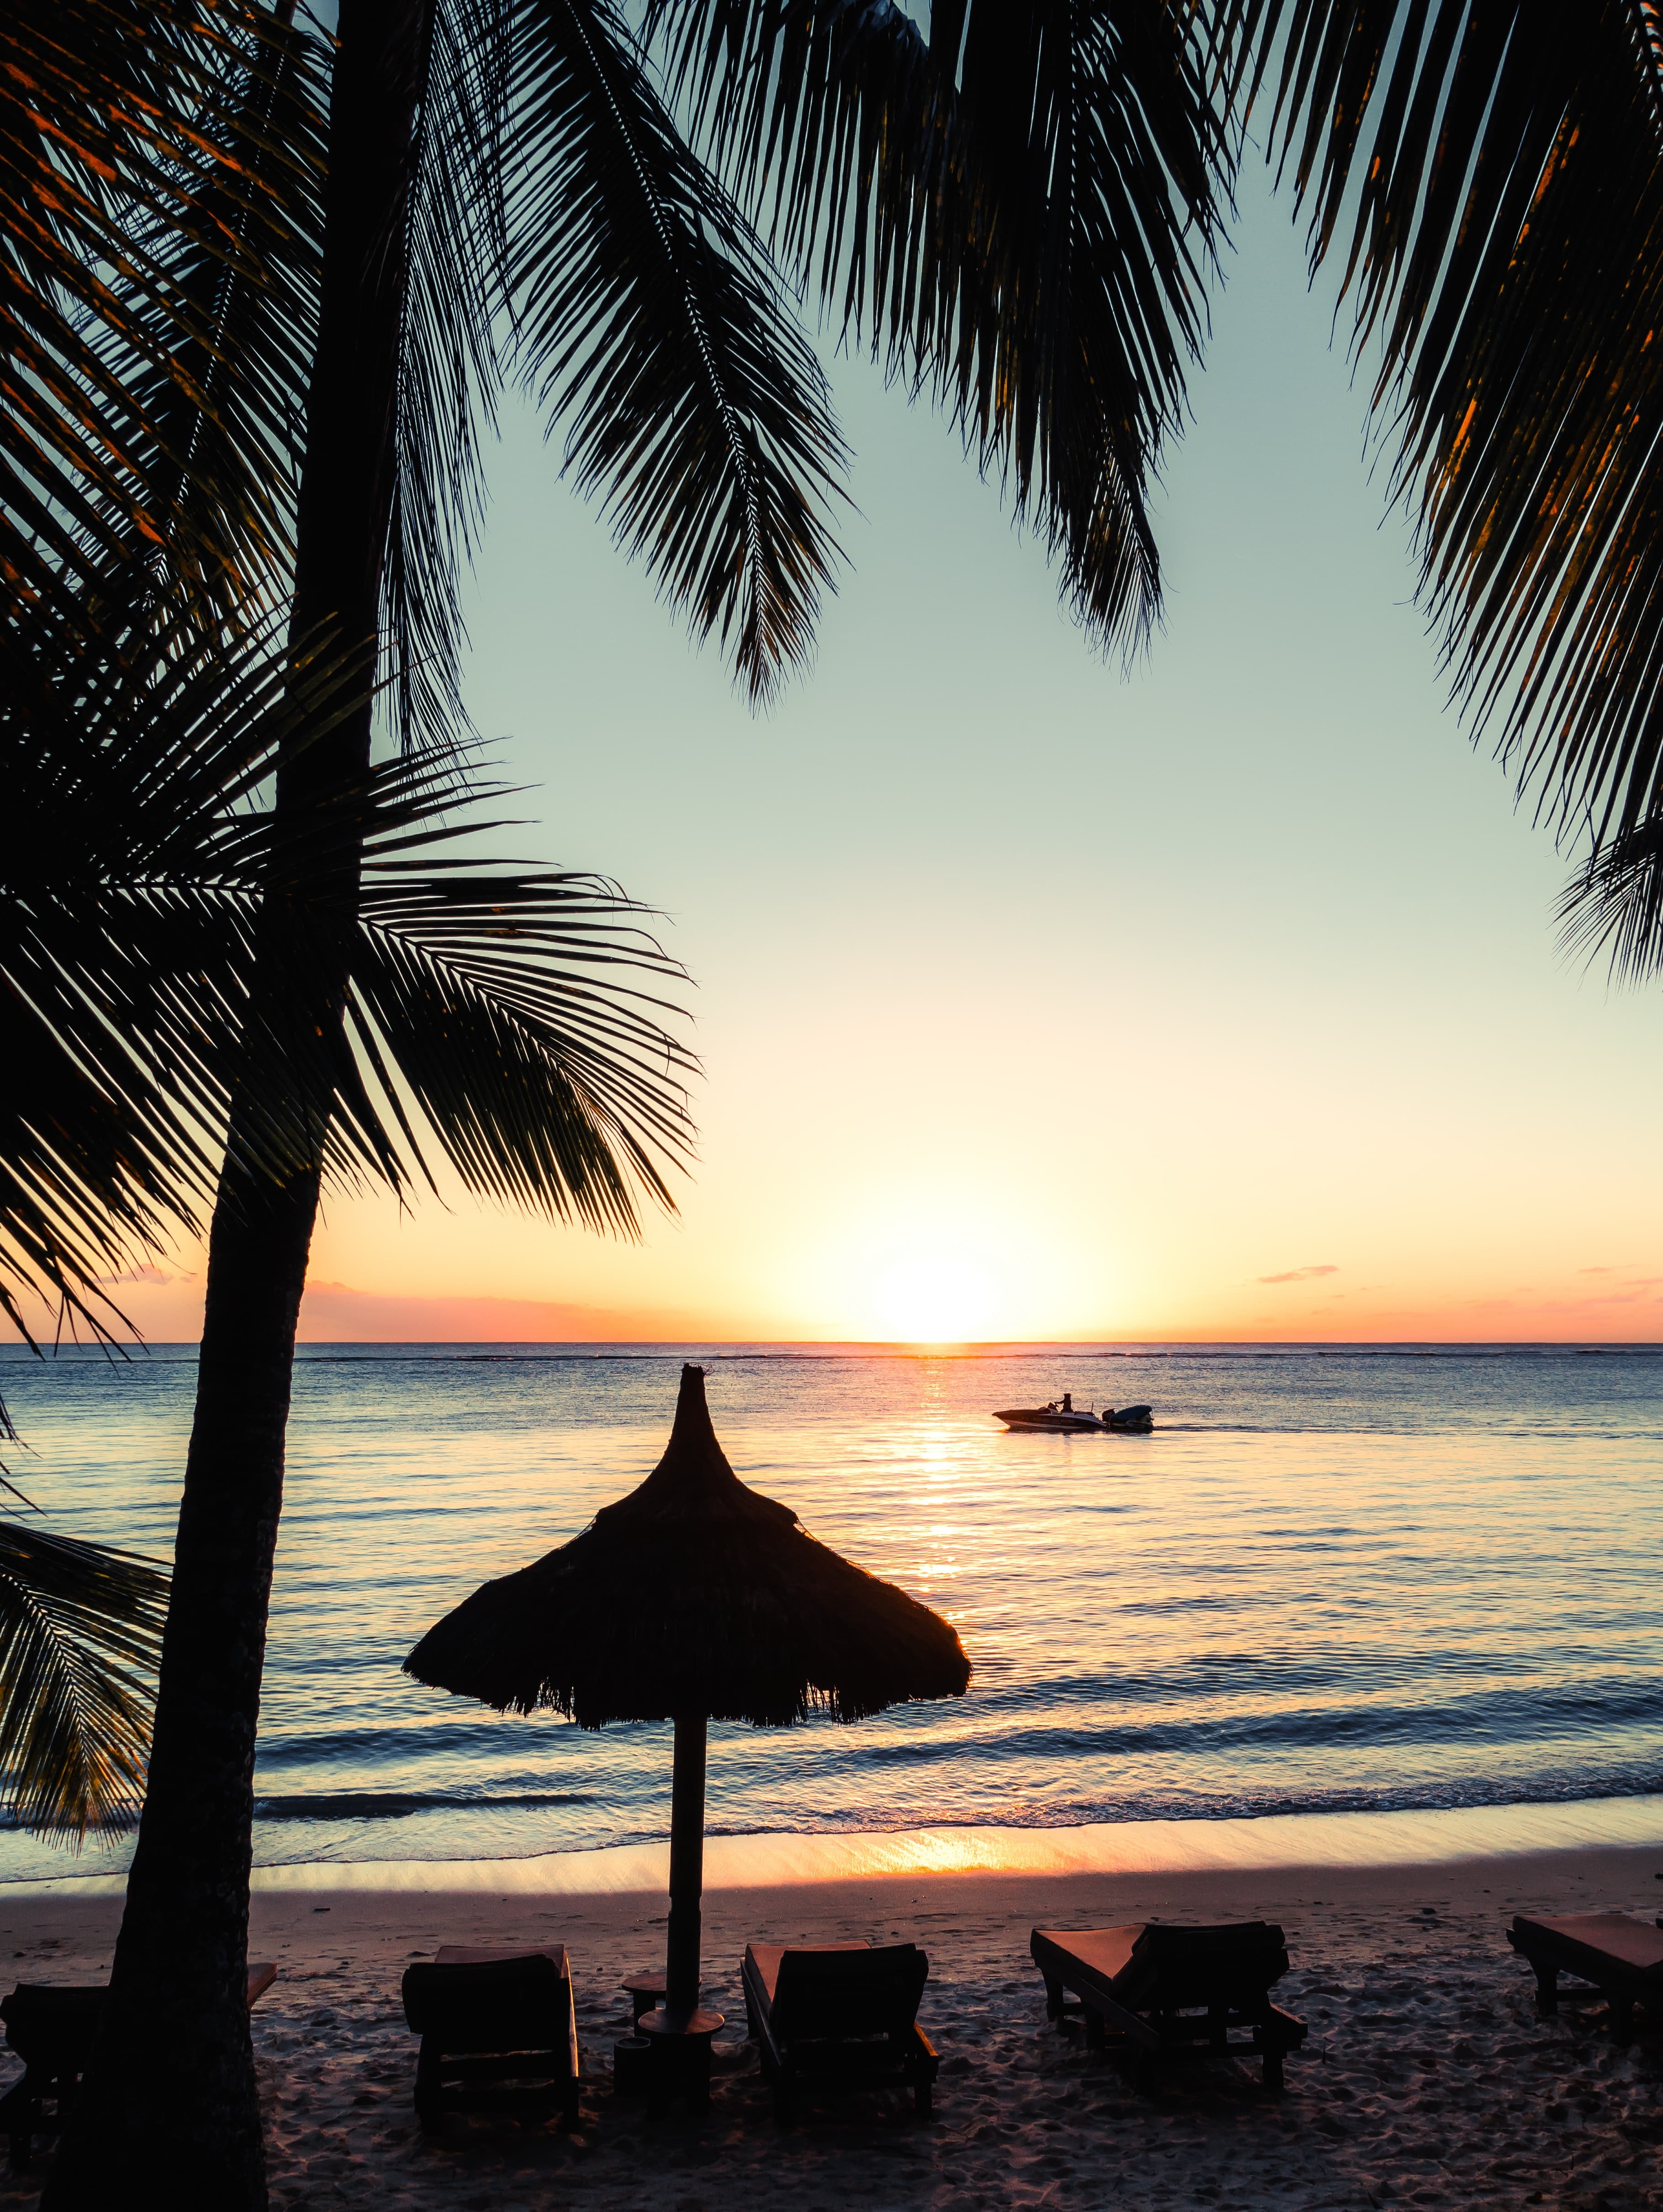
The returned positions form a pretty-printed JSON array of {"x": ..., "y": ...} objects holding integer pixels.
[{"x": 1036, "y": 999}]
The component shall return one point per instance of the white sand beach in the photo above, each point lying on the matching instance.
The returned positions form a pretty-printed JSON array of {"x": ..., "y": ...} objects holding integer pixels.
[{"x": 1428, "y": 2077}]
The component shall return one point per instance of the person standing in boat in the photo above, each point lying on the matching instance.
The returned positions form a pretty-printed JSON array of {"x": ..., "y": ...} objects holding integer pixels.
[{"x": 1068, "y": 1401}]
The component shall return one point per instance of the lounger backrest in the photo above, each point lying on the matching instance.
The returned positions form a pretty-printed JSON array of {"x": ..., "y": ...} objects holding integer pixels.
[
  {"x": 1204, "y": 1965},
  {"x": 512, "y": 2004},
  {"x": 843, "y": 1993},
  {"x": 55, "y": 2027}
]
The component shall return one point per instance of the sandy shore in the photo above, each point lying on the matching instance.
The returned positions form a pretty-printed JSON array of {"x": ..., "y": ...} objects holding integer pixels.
[{"x": 1429, "y": 2078}]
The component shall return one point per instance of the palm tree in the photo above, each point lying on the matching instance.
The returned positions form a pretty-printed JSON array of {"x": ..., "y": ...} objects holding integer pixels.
[{"x": 267, "y": 284}]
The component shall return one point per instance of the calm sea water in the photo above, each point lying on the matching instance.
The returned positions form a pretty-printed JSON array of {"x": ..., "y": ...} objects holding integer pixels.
[{"x": 1331, "y": 1579}]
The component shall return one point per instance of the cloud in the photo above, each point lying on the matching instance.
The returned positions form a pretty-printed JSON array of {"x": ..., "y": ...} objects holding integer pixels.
[
  {"x": 1596, "y": 1271},
  {"x": 336, "y": 1312},
  {"x": 147, "y": 1273},
  {"x": 1298, "y": 1275}
]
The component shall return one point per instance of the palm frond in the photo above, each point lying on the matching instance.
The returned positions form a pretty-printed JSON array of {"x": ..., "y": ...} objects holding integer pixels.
[
  {"x": 1095, "y": 155},
  {"x": 1614, "y": 905},
  {"x": 651, "y": 321},
  {"x": 1020, "y": 214},
  {"x": 546, "y": 1081},
  {"x": 1507, "y": 252},
  {"x": 452, "y": 257},
  {"x": 228, "y": 397},
  {"x": 80, "y": 1641},
  {"x": 148, "y": 182},
  {"x": 498, "y": 1015}
]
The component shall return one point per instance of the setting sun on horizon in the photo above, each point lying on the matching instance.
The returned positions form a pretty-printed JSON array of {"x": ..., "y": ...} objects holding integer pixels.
[{"x": 934, "y": 1300}]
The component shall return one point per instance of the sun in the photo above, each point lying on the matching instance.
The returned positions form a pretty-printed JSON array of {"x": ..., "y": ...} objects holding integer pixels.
[{"x": 934, "y": 1300}]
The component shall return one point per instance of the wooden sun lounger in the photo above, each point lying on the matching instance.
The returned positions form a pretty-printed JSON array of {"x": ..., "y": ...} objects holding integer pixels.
[
  {"x": 844, "y": 2012},
  {"x": 53, "y": 2027},
  {"x": 1623, "y": 1959},
  {"x": 496, "y": 2026},
  {"x": 1159, "y": 1990}
]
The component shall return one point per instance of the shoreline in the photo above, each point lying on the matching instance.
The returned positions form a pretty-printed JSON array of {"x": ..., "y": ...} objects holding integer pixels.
[{"x": 1422, "y": 1837}]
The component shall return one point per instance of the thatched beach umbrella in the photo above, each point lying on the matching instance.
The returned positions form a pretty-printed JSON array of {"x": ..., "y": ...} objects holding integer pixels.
[{"x": 693, "y": 1599}]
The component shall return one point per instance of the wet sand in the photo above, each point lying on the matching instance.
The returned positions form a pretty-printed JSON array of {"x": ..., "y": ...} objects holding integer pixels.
[{"x": 1428, "y": 2077}]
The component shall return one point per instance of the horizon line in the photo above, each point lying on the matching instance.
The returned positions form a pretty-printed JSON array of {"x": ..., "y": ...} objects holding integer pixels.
[{"x": 120, "y": 1346}]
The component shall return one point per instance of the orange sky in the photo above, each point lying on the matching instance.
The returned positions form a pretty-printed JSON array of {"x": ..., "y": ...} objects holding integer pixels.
[{"x": 1611, "y": 1304}]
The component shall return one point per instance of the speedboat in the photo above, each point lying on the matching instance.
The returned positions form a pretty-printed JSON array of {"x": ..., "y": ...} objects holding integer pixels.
[
  {"x": 1130, "y": 1419},
  {"x": 1046, "y": 1417}
]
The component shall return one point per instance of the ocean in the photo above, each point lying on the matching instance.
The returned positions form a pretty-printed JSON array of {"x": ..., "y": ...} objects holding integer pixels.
[{"x": 1334, "y": 1579}]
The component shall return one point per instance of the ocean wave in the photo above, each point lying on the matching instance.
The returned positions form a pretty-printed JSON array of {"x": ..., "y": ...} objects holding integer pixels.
[
  {"x": 401, "y": 1804},
  {"x": 466, "y": 1835}
]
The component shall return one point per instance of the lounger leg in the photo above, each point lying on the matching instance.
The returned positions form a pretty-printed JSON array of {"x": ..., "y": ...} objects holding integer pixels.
[
  {"x": 1217, "y": 2032},
  {"x": 1096, "y": 2034},
  {"x": 1053, "y": 1999},
  {"x": 1273, "y": 2073},
  {"x": 923, "y": 2098},
  {"x": 1547, "y": 1986},
  {"x": 429, "y": 2102},
  {"x": 1621, "y": 2018}
]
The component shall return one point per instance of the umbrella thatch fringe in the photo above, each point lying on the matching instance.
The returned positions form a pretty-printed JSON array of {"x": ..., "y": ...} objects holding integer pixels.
[{"x": 693, "y": 1595}]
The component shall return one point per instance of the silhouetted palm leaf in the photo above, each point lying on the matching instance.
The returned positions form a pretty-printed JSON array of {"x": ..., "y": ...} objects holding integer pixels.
[
  {"x": 452, "y": 256},
  {"x": 228, "y": 398},
  {"x": 492, "y": 1014},
  {"x": 1019, "y": 211},
  {"x": 1615, "y": 905},
  {"x": 545, "y": 1080},
  {"x": 80, "y": 1637},
  {"x": 151, "y": 158},
  {"x": 651, "y": 319},
  {"x": 1506, "y": 251}
]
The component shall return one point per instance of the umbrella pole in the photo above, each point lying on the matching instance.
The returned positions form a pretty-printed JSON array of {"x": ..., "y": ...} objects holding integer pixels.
[{"x": 686, "y": 1868}]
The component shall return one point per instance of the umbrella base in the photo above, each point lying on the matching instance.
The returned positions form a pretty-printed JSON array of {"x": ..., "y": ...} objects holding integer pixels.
[{"x": 680, "y": 2063}]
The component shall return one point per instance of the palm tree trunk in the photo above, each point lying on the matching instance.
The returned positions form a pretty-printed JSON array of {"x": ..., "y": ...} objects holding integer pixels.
[{"x": 170, "y": 2115}]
